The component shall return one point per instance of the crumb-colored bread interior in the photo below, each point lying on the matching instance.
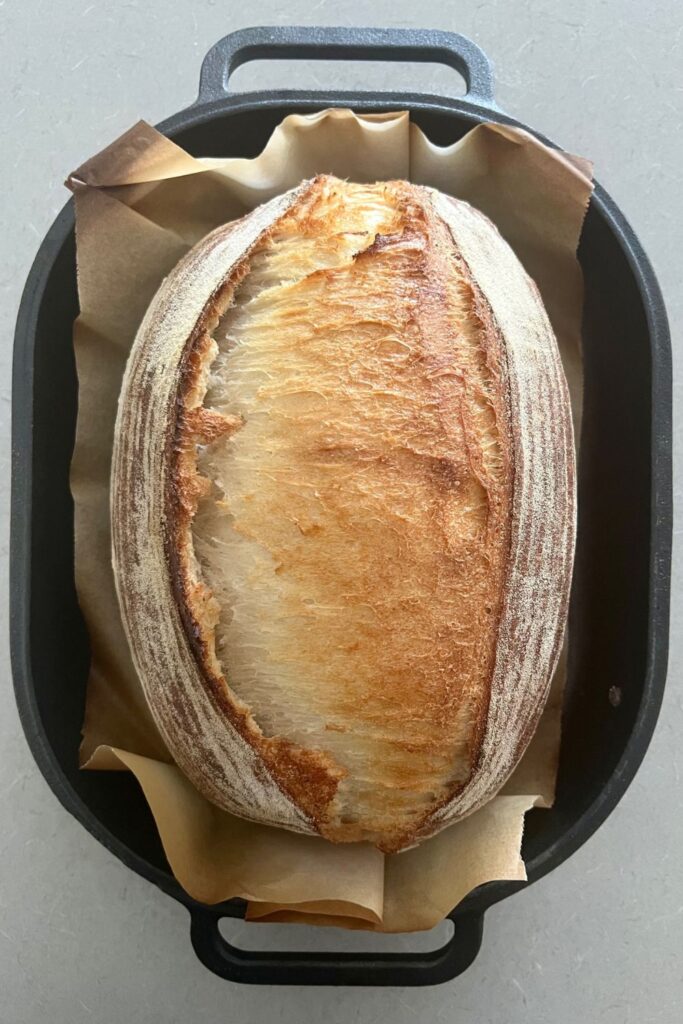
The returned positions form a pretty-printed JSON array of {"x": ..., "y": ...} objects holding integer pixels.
[{"x": 356, "y": 528}]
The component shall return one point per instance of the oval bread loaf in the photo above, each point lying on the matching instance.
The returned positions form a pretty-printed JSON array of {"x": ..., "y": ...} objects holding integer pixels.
[{"x": 343, "y": 511}]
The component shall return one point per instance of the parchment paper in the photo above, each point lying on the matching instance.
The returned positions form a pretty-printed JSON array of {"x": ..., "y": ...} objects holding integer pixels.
[{"x": 140, "y": 204}]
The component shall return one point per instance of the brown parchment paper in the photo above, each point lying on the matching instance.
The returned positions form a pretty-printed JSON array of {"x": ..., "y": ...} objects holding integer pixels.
[{"x": 140, "y": 204}]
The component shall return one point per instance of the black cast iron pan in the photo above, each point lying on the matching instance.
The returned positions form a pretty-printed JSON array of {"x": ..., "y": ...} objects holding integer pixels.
[{"x": 620, "y": 600}]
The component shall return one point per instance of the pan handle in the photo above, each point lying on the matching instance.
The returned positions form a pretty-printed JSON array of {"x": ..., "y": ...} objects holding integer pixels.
[
  {"x": 291, "y": 968},
  {"x": 314, "y": 43}
]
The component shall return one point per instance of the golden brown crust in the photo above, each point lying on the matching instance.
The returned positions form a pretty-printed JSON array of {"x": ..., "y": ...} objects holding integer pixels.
[
  {"x": 411, "y": 695},
  {"x": 309, "y": 776}
]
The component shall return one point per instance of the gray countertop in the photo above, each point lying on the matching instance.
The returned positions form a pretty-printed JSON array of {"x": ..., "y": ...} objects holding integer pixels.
[{"x": 82, "y": 938}]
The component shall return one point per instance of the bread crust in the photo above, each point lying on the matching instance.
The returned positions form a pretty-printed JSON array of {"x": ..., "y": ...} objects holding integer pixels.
[{"x": 525, "y": 539}]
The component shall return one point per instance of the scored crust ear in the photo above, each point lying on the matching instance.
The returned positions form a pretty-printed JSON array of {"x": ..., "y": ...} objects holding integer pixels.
[{"x": 543, "y": 525}]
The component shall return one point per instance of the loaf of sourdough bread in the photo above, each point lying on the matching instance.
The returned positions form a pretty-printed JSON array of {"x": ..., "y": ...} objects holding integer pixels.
[{"x": 343, "y": 511}]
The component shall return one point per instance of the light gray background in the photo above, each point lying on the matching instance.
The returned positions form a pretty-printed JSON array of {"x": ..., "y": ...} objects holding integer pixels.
[{"x": 82, "y": 939}]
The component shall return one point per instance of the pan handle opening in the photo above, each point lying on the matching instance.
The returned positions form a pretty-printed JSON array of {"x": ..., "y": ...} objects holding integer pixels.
[
  {"x": 371, "y": 44},
  {"x": 304, "y": 967}
]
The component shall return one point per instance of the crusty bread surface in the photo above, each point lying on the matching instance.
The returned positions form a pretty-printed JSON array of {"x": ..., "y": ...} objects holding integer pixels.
[{"x": 343, "y": 511}]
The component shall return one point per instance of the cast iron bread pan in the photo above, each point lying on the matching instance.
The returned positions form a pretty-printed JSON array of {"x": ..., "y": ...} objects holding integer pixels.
[{"x": 620, "y": 600}]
